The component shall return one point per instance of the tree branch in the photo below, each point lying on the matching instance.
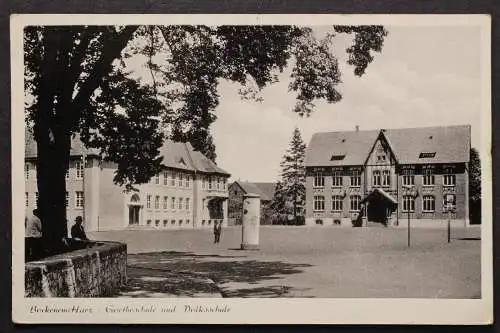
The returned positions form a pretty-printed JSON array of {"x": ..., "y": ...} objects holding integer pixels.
[{"x": 113, "y": 48}]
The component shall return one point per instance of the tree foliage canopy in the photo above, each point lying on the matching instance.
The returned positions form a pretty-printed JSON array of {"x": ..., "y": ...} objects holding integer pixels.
[{"x": 78, "y": 81}]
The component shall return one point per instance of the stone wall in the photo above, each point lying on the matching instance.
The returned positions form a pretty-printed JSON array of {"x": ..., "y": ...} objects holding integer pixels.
[{"x": 97, "y": 271}]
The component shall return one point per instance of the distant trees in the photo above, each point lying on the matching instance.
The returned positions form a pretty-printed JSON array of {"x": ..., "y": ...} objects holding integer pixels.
[
  {"x": 474, "y": 187},
  {"x": 290, "y": 192}
]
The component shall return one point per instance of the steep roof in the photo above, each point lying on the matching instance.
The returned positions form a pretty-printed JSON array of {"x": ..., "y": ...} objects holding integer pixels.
[
  {"x": 177, "y": 155},
  {"x": 354, "y": 146},
  {"x": 443, "y": 144},
  {"x": 265, "y": 190},
  {"x": 439, "y": 144}
]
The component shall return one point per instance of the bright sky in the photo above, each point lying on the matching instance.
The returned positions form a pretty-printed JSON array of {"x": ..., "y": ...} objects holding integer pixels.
[{"x": 425, "y": 76}]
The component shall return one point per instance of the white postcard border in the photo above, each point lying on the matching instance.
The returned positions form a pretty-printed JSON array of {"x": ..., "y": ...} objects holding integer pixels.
[{"x": 261, "y": 311}]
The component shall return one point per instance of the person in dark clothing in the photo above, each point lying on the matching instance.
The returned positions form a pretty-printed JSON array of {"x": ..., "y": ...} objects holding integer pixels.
[
  {"x": 77, "y": 230},
  {"x": 217, "y": 231}
]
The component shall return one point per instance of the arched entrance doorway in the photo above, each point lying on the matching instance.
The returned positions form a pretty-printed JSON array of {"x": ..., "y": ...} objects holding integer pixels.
[{"x": 134, "y": 210}]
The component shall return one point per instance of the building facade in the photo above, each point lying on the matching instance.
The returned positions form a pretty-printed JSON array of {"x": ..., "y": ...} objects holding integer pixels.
[
  {"x": 191, "y": 191},
  {"x": 237, "y": 192},
  {"x": 388, "y": 176}
]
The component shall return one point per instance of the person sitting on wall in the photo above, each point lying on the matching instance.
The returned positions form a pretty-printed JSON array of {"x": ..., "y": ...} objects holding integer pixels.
[
  {"x": 33, "y": 237},
  {"x": 77, "y": 230}
]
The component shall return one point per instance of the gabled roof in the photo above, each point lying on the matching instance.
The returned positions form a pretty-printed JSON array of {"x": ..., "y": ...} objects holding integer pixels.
[
  {"x": 355, "y": 145},
  {"x": 451, "y": 144},
  {"x": 179, "y": 155},
  {"x": 265, "y": 190}
]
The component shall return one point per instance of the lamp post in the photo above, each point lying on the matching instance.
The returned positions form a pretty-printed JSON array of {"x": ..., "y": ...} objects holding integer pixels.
[{"x": 408, "y": 189}]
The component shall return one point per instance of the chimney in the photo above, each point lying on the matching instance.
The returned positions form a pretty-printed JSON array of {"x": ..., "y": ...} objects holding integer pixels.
[{"x": 357, "y": 128}]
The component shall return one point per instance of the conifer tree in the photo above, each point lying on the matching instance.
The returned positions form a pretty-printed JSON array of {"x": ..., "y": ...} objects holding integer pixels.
[{"x": 293, "y": 176}]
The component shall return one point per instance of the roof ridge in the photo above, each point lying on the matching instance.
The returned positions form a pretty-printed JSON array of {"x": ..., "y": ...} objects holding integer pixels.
[{"x": 188, "y": 153}]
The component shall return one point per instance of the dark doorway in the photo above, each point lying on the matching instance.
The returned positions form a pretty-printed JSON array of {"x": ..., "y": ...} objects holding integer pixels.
[
  {"x": 133, "y": 214},
  {"x": 377, "y": 211},
  {"x": 380, "y": 205}
]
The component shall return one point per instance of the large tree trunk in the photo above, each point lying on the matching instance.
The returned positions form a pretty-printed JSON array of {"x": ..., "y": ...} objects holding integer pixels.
[{"x": 52, "y": 163}]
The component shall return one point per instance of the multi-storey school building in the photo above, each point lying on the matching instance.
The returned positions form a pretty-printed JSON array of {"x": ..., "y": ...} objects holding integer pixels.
[
  {"x": 191, "y": 192},
  {"x": 388, "y": 175}
]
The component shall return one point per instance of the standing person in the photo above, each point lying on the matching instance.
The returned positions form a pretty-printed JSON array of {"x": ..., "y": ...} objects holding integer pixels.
[
  {"x": 77, "y": 230},
  {"x": 33, "y": 237},
  {"x": 215, "y": 232},
  {"x": 219, "y": 231}
]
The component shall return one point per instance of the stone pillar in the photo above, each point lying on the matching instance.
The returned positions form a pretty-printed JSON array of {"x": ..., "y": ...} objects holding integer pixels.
[{"x": 251, "y": 222}]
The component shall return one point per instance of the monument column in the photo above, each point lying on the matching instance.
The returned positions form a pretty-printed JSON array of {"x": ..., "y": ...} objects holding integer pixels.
[{"x": 251, "y": 222}]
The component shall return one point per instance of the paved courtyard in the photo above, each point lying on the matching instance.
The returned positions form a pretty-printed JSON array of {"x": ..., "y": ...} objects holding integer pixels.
[{"x": 303, "y": 262}]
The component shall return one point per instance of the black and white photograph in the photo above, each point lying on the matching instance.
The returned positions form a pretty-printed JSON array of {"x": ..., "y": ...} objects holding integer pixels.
[{"x": 215, "y": 168}]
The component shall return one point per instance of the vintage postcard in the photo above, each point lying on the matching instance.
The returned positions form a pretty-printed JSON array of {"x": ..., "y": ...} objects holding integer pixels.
[{"x": 252, "y": 169}]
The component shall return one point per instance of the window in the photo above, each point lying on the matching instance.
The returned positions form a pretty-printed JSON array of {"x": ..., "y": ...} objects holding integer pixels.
[
  {"x": 36, "y": 199},
  {"x": 179, "y": 182},
  {"x": 408, "y": 203},
  {"x": 157, "y": 179},
  {"x": 165, "y": 222},
  {"x": 173, "y": 222},
  {"x": 180, "y": 203},
  {"x": 408, "y": 180},
  {"x": 157, "y": 223},
  {"x": 172, "y": 180},
  {"x": 376, "y": 178},
  {"x": 148, "y": 222},
  {"x": 187, "y": 181},
  {"x": 427, "y": 155},
  {"x": 337, "y": 203},
  {"x": 79, "y": 169},
  {"x": 428, "y": 203},
  {"x": 27, "y": 199},
  {"x": 381, "y": 158},
  {"x": 386, "y": 178},
  {"x": 165, "y": 202},
  {"x": 148, "y": 201},
  {"x": 27, "y": 170},
  {"x": 79, "y": 199},
  {"x": 187, "y": 203},
  {"x": 180, "y": 222},
  {"x": 355, "y": 178},
  {"x": 218, "y": 183},
  {"x": 157, "y": 202},
  {"x": 319, "y": 203},
  {"x": 165, "y": 178},
  {"x": 319, "y": 180},
  {"x": 67, "y": 199},
  {"x": 187, "y": 221},
  {"x": 355, "y": 203},
  {"x": 203, "y": 182},
  {"x": 428, "y": 177},
  {"x": 172, "y": 206},
  {"x": 210, "y": 183},
  {"x": 337, "y": 178},
  {"x": 337, "y": 157},
  {"x": 449, "y": 180}
]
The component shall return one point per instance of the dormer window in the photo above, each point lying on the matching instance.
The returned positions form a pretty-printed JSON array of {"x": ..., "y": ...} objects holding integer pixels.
[
  {"x": 337, "y": 157},
  {"x": 381, "y": 158},
  {"x": 181, "y": 161},
  {"x": 427, "y": 155}
]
